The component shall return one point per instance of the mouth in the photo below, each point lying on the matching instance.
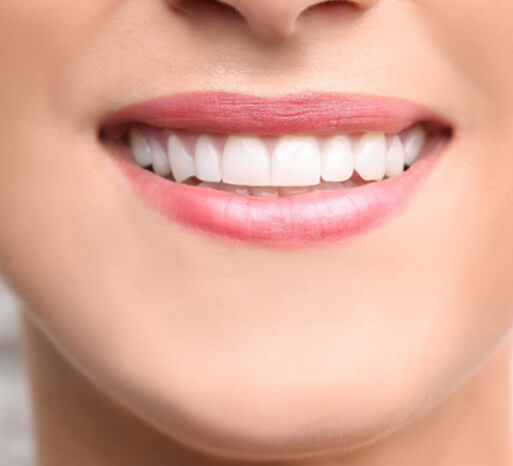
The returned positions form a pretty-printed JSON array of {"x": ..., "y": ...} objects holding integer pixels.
[{"x": 291, "y": 171}]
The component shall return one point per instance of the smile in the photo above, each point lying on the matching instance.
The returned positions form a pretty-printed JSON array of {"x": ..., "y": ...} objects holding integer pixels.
[{"x": 277, "y": 172}]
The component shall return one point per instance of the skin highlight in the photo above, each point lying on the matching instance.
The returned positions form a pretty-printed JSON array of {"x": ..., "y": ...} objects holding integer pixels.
[{"x": 186, "y": 349}]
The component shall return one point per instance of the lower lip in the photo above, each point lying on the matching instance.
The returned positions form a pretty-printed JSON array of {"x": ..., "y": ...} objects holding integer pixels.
[{"x": 318, "y": 217}]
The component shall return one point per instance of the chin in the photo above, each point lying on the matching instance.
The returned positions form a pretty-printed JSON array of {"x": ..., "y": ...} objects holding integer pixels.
[{"x": 265, "y": 405}]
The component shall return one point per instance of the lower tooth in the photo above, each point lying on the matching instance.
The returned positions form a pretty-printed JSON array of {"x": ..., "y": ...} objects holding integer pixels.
[
  {"x": 291, "y": 190},
  {"x": 351, "y": 184},
  {"x": 271, "y": 191},
  {"x": 329, "y": 186},
  {"x": 233, "y": 188},
  {"x": 205, "y": 184},
  {"x": 265, "y": 191}
]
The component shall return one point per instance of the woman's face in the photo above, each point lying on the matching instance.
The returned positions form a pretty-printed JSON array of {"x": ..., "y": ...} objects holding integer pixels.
[{"x": 240, "y": 347}]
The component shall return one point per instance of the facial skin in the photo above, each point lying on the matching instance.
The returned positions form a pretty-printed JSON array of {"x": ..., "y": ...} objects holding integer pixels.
[{"x": 238, "y": 350}]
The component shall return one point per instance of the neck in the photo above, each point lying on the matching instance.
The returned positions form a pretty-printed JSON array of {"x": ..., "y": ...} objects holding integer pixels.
[{"x": 77, "y": 424}]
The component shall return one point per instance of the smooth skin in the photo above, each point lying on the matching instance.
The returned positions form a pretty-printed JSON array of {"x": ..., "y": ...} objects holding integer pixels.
[{"x": 151, "y": 344}]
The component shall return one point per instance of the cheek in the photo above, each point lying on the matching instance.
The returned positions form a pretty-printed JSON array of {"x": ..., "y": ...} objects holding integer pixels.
[{"x": 477, "y": 38}]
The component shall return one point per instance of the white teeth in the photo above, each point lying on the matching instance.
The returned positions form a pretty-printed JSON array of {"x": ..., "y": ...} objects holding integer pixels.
[
  {"x": 182, "y": 163},
  {"x": 246, "y": 162},
  {"x": 141, "y": 149},
  {"x": 159, "y": 159},
  {"x": 395, "y": 157},
  {"x": 369, "y": 154},
  {"x": 413, "y": 144},
  {"x": 207, "y": 160},
  {"x": 288, "y": 165},
  {"x": 225, "y": 187},
  {"x": 296, "y": 161},
  {"x": 337, "y": 159}
]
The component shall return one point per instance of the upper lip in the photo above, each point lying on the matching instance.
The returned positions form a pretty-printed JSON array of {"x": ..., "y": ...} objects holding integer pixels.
[{"x": 229, "y": 113}]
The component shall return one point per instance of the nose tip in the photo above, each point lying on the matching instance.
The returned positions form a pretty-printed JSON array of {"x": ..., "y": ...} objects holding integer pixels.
[
  {"x": 271, "y": 19},
  {"x": 276, "y": 19}
]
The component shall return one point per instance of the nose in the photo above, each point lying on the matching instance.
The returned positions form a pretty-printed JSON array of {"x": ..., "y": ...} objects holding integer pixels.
[{"x": 276, "y": 19}]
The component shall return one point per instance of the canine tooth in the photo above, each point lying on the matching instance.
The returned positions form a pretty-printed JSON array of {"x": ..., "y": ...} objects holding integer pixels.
[
  {"x": 337, "y": 159},
  {"x": 265, "y": 191},
  {"x": 413, "y": 144},
  {"x": 141, "y": 149},
  {"x": 296, "y": 161},
  {"x": 182, "y": 163},
  {"x": 159, "y": 158},
  {"x": 246, "y": 162},
  {"x": 207, "y": 160},
  {"x": 369, "y": 156},
  {"x": 395, "y": 157}
]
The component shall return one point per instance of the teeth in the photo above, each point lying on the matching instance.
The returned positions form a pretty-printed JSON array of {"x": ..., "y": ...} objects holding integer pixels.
[
  {"x": 282, "y": 166},
  {"x": 369, "y": 156},
  {"x": 159, "y": 159},
  {"x": 182, "y": 163},
  {"x": 207, "y": 184},
  {"x": 232, "y": 188},
  {"x": 413, "y": 144},
  {"x": 324, "y": 186},
  {"x": 225, "y": 187},
  {"x": 141, "y": 149},
  {"x": 337, "y": 159},
  {"x": 350, "y": 184},
  {"x": 265, "y": 191},
  {"x": 290, "y": 190},
  {"x": 207, "y": 160},
  {"x": 395, "y": 158},
  {"x": 296, "y": 161},
  {"x": 246, "y": 162}
]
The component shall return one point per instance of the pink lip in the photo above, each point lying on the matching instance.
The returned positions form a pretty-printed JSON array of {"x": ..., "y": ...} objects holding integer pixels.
[
  {"x": 300, "y": 220},
  {"x": 229, "y": 113}
]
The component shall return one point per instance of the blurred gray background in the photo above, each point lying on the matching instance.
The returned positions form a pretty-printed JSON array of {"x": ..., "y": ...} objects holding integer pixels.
[{"x": 16, "y": 448}]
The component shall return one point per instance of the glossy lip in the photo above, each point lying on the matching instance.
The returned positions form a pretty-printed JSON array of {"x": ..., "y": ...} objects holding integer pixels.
[
  {"x": 318, "y": 217},
  {"x": 228, "y": 113}
]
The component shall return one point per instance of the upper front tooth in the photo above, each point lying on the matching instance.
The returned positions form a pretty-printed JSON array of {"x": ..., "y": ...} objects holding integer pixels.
[
  {"x": 413, "y": 144},
  {"x": 141, "y": 149},
  {"x": 182, "y": 163},
  {"x": 159, "y": 158},
  {"x": 369, "y": 156},
  {"x": 246, "y": 161},
  {"x": 296, "y": 161},
  {"x": 337, "y": 159},
  {"x": 395, "y": 157},
  {"x": 207, "y": 160}
]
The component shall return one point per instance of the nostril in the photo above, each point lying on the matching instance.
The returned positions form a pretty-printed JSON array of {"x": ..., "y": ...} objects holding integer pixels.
[
  {"x": 204, "y": 8},
  {"x": 333, "y": 6},
  {"x": 273, "y": 20}
]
